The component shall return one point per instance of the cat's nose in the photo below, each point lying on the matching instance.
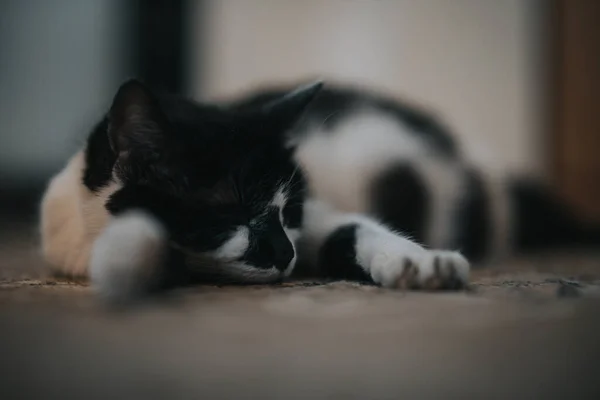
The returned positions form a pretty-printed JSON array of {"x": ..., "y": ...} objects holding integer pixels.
[
  {"x": 276, "y": 244},
  {"x": 283, "y": 253}
]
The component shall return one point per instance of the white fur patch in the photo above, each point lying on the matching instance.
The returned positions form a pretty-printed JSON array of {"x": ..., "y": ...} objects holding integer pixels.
[
  {"x": 341, "y": 164},
  {"x": 293, "y": 235},
  {"x": 236, "y": 246},
  {"x": 126, "y": 256},
  {"x": 72, "y": 216},
  {"x": 279, "y": 199}
]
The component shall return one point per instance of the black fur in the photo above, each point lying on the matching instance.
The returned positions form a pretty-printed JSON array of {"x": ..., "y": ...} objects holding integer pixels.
[
  {"x": 337, "y": 256},
  {"x": 99, "y": 158},
  {"x": 474, "y": 219},
  {"x": 396, "y": 191},
  {"x": 293, "y": 211}
]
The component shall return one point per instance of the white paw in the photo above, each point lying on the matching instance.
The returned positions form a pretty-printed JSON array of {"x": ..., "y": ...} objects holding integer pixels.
[
  {"x": 127, "y": 256},
  {"x": 425, "y": 269}
]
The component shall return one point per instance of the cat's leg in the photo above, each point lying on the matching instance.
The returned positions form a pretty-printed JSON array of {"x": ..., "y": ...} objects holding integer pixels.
[{"x": 356, "y": 247}]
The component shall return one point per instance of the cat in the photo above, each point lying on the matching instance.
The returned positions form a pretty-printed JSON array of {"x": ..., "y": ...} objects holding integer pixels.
[{"x": 316, "y": 179}]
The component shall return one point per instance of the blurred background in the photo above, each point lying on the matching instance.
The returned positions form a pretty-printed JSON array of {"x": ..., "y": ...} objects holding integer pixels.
[{"x": 517, "y": 80}]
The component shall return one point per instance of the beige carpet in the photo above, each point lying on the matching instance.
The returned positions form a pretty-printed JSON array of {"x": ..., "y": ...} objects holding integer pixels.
[{"x": 527, "y": 329}]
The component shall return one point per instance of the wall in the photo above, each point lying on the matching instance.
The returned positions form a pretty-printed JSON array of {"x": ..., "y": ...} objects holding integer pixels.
[
  {"x": 478, "y": 62},
  {"x": 60, "y": 66}
]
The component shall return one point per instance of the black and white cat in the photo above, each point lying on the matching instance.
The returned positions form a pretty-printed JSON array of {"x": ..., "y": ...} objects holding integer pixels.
[{"x": 346, "y": 184}]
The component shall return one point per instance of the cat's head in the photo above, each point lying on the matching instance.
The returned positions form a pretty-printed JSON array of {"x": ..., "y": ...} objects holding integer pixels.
[{"x": 223, "y": 182}]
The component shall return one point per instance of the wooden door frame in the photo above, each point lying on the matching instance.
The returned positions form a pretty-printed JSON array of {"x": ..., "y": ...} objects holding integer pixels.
[{"x": 574, "y": 109}]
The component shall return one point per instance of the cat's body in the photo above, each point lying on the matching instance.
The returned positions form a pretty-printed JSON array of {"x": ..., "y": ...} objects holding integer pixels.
[{"x": 168, "y": 192}]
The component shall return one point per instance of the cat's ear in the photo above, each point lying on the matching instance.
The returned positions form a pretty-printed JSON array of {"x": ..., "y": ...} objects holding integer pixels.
[
  {"x": 287, "y": 109},
  {"x": 136, "y": 121}
]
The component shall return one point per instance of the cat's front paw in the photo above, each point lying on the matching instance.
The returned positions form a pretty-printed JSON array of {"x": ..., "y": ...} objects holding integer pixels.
[{"x": 428, "y": 269}]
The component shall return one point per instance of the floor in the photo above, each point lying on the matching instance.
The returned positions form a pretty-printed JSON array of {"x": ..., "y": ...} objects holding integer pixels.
[{"x": 526, "y": 329}]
